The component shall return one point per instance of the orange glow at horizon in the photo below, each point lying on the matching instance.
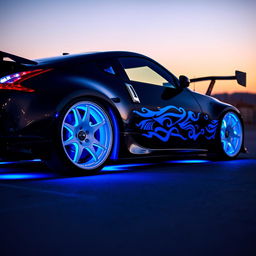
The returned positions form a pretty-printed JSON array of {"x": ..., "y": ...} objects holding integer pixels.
[{"x": 194, "y": 38}]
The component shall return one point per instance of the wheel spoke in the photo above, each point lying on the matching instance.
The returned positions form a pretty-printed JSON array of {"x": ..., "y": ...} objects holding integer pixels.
[
  {"x": 231, "y": 146},
  {"x": 234, "y": 124},
  {"x": 98, "y": 125},
  {"x": 70, "y": 141},
  {"x": 224, "y": 124},
  {"x": 70, "y": 128},
  {"x": 226, "y": 146},
  {"x": 229, "y": 119},
  {"x": 93, "y": 153},
  {"x": 224, "y": 142},
  {"x": 98, "y": 145},
  {"x": 235, "y": 135},
  {"x": 86, "y": 118},
  {"x": 78, "y": 153},
  {"x": 77, "y": 116}
]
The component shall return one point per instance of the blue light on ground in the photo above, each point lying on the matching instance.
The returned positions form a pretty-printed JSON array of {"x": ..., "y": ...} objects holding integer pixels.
[
  {"x": 123, "y": 167},
  {"x": 21, "y": 161},
  {"x": 120, "y": 167},
  {"x": 190, "y": 161},
  {"x": 24, "y": 176}
]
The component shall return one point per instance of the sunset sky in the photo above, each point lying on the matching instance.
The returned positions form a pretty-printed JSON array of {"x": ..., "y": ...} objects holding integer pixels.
[{"x": 194, "y": 38}]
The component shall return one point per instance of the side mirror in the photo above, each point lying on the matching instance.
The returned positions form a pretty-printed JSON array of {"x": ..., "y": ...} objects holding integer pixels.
[{"x": 184, "y": 81}]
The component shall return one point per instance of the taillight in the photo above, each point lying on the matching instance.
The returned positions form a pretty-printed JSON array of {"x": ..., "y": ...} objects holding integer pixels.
[{"x": 13, "y": 81}]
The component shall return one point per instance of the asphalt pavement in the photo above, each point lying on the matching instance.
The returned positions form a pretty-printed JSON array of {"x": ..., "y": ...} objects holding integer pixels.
[{"x": 177, "y": 207}]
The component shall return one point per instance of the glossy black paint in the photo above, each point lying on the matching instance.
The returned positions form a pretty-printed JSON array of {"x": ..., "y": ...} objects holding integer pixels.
[
  {"x": 28, "y": 120},
  {"x": 184, "y": 81}
]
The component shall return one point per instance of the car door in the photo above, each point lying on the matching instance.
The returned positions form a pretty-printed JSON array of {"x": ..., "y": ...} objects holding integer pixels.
[{"x": 164, "y": 115}]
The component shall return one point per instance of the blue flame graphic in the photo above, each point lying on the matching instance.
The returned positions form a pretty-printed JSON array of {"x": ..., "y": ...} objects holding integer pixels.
[{"x": 172, "y": 121}]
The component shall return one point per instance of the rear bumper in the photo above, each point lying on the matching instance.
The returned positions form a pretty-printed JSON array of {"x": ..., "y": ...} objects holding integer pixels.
[
  {"x": 23, "y": 117},
  {"x": 13, "y": 147}
]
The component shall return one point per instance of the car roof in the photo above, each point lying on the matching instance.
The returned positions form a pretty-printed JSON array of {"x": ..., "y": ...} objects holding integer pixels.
[{"x": 86, "y": 56}]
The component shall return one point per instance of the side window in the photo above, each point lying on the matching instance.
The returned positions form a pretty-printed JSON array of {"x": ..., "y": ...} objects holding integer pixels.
[
  {"x": 145, "y": 75},
  {"x": 144, "y": 71}
]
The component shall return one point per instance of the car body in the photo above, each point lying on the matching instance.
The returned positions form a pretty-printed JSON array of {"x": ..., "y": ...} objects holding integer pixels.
[{"x": 150, "y": 111}]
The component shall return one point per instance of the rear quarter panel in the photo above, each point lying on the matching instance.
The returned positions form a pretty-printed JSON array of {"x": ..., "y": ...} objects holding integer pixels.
[{"x": 213, "y": 107}]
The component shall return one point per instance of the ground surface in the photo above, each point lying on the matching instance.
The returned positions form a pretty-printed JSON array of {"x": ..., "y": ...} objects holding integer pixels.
[{"x": 177, "y": 208}]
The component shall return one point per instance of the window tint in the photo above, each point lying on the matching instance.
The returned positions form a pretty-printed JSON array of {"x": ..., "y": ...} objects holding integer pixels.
[
  {"x": 145, "y": 75},
  {"x": 145, "y": 71}
]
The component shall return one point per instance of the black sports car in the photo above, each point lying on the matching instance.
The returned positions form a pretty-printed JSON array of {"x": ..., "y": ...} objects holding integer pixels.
[{"x": 78, "y": 111}]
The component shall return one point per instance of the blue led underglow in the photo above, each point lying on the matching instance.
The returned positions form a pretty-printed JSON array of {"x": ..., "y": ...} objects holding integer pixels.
[
  {"x": 21, "y": 161},
  {"x": 123, "y": 167},
  {"x": 22, "y": 176},
  {"x": 175, "y": 121},
  {"x": 120, "y": 167},
  {"x": 193, "y": 161}
]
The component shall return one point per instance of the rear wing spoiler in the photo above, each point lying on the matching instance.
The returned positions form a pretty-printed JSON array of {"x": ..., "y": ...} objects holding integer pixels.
[
  {"x": 239, "y": 76},
  {"x": 15, "y": 58}
]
